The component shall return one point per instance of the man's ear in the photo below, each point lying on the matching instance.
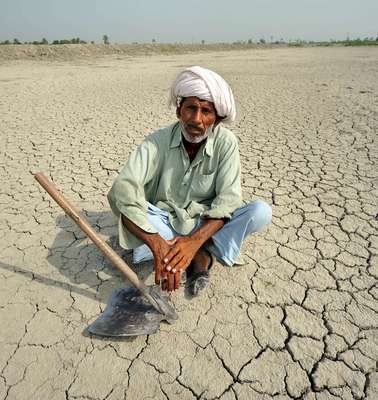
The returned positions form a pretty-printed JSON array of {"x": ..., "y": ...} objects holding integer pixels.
[{"x": 178, "y": 112}]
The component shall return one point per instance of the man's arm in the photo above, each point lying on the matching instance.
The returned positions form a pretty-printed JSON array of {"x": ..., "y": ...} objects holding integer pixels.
[
  {"x": 185, "y": 248},
  {"x": 128, "y": 202},
  {"x": 159, "y": 246},
  {"x": 127, "y": 195},
  {"x": 171, "y": 257}
]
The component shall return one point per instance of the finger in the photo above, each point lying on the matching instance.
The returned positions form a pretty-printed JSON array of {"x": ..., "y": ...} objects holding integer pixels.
[
  {"x": 171, "y": 282},
  {"x": 177, "y": 280},
  {"x": 183, "y": 264},
  {"x": 173, "y": 241},
  {"x": 163, "y": 272},
  {"x": 157, "y": 272},
  {"x": 164, "y": 285},
  {"x": 173, "y": 265},
  {"x": 170, "y": 255}
]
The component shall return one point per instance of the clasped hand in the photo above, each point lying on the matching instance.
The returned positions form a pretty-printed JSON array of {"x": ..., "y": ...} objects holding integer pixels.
[{"x": 171, "y": 258}]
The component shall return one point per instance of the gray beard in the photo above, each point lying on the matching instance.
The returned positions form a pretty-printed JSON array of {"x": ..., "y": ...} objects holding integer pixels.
[{"x": 196, "y": 139}]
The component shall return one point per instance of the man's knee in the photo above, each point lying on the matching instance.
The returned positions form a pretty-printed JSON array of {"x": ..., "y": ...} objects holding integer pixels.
[{"x": 259, "y": 212}]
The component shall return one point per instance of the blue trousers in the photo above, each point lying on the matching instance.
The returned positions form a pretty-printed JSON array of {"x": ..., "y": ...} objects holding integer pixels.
[{"x": 227, "y": 242}]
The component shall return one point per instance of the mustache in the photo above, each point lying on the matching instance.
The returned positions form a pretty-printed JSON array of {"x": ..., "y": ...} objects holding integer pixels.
[{"x": 193, "y": 126}]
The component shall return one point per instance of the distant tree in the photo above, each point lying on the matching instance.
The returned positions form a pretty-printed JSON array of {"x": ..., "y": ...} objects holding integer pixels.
[
  {"x": 262, "y": 41},
  {"x": 6, "y": 42},
  {"x": 250, "y": 41},
  {"x": 202, "y": 42},
  {"x": 16, "y": 41},
  {"x": 92, "y": 42},
  {"x": 153, "y": 40},
  {"x": 44, "y": 41},
  {"x": 105, "y": 39}
]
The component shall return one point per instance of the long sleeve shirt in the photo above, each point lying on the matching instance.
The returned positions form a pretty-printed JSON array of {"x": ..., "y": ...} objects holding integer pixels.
[{"x": 159, "y": 172}]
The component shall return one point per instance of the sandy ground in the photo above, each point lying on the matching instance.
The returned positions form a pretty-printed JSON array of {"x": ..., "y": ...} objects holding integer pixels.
[{"x": 299, "y": 321}]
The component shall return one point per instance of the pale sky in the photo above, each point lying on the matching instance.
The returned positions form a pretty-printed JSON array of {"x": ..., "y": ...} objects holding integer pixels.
[{"x": 126, "y": 21}]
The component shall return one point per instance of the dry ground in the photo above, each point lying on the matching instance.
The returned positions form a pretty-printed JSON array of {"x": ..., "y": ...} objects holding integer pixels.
[{"x": 299, "y": 321}]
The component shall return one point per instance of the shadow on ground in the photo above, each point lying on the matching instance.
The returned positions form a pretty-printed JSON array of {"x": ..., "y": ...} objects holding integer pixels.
[{"x": 83, "y": 264}]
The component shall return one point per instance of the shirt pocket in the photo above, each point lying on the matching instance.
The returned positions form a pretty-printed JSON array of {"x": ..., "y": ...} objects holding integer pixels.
[{"x": 203, "y": 186}]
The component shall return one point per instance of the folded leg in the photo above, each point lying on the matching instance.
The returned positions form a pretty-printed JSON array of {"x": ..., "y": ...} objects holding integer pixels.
[{"x": 246, "y": 220}]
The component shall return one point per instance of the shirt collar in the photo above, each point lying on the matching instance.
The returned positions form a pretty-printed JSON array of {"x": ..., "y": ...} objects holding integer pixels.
[
  {"x": 177, "y": 139},
  {"x": 176, "y": 135}
]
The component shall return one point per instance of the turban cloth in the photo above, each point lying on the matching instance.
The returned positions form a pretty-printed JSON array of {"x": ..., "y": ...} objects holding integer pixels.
[{"x": 206, "y": 85}]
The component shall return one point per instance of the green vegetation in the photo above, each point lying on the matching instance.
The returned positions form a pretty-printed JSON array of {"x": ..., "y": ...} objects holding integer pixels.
[
  {"x": 45, "y": 41},
  {"x": 69, "y": 41},
  {"x": 347, "y": 42},
  {"x": 360, "y": 42},
  {"x": 368, "y": 41}
]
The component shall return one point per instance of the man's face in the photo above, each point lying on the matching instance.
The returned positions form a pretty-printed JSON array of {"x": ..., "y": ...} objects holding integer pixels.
[{"x": 196, "y": 115}]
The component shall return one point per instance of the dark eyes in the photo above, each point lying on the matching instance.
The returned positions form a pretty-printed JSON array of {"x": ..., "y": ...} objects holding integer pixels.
[{"x": 204, "y": 110}]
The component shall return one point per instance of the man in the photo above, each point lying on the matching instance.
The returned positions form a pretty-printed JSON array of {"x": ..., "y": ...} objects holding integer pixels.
[{"x": 178, "y": 199}]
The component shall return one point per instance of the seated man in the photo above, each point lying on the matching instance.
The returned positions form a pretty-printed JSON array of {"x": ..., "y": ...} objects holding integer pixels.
[{"x": 178, "y": 199}]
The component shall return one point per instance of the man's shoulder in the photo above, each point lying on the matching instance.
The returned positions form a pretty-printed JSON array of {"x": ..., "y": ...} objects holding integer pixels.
[
  {"x": 224, "y": 136},
  {"x": 162, "y": 136}
]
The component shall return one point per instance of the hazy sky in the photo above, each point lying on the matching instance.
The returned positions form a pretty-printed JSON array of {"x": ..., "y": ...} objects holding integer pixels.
[{"x": 187, "y": 21}]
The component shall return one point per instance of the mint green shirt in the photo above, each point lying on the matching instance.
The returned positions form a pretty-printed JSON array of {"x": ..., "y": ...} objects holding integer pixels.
[{"x": 159, "y": 172}]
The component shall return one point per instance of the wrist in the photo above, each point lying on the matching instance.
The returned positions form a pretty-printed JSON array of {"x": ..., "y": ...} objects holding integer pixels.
[
  {"x": 198, "y": 239},
  {"x": 152, "y": 239},
  {"x": 207, "y": 230}
]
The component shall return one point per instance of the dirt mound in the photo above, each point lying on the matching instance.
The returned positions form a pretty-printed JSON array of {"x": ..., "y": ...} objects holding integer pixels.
[{"x": 72, "y": 51}]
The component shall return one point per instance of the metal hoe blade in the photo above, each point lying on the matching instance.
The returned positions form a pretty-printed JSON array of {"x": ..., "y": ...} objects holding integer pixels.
[{"x": 128, "y": 313}]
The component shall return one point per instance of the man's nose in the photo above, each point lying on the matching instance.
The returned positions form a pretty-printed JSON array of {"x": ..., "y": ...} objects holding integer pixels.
[{"x": 196, "y": 117}]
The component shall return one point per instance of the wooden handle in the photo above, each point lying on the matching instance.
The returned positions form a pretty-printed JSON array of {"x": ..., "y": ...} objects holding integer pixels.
[{"x": 91, "y": 233}]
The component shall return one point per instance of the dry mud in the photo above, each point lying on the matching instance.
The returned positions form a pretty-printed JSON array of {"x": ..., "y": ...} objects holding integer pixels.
[{"x": 300, "y": 321}]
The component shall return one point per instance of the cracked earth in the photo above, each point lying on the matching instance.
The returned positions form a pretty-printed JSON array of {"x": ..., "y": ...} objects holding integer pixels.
[{"x": 299, "y": 321}]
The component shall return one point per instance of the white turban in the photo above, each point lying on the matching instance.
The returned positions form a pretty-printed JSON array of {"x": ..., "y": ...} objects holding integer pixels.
[{"x": 206, "y": 85}]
